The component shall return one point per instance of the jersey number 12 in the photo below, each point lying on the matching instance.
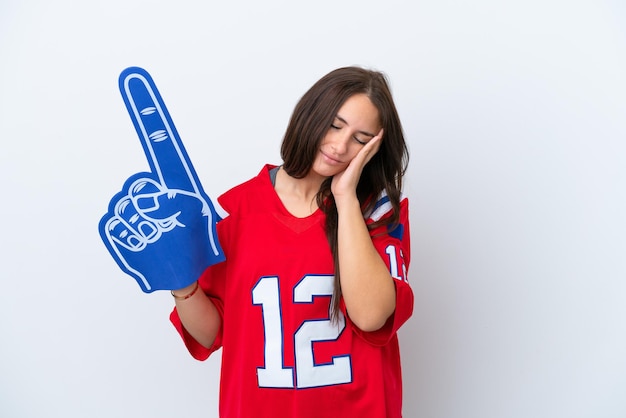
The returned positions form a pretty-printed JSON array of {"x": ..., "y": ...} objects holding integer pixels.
[{"x": 307, "y": 374}]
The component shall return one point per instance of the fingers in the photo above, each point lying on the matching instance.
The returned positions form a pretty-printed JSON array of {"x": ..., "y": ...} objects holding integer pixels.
[
  {"x": 128, "y": 229},
  {"x": 348, "y": 179},
  {"x": 147, "y": 211},
  {"x": 129, "y": 226},
  {"x": 374, "y": 144},
  {"x": 161, "y": 143},
  {"x": 369, "y": 150}
]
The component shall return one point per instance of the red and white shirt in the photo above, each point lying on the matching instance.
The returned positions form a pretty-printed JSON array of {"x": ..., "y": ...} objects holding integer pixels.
[{"x": 282, "y": 356}]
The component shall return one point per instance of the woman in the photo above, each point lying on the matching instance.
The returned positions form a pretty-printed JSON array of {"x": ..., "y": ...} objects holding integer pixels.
[{"x": 314, "y": 287}]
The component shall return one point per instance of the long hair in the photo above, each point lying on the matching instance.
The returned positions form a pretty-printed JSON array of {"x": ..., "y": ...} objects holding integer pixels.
[{"x": 309, "y": 123}]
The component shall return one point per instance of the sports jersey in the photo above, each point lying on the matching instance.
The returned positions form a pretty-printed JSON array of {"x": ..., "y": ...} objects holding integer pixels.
[{"x": 281, "y": 354}]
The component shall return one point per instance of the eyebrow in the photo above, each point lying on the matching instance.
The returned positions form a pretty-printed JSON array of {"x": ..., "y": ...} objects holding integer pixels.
[{"x": 361, "y": 132}]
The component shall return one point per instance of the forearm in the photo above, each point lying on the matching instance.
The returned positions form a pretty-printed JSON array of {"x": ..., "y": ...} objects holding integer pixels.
[
  {"x": 367, "y": 287},
  {"x": 198, "y": 315}
]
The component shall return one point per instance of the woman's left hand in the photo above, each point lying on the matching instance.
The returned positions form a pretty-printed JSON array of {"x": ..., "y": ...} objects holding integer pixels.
[{"x": 345, "y": 182}]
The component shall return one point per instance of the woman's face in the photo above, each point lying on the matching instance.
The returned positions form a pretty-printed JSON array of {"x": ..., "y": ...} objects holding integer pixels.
[{"x": 355, "y": 124}]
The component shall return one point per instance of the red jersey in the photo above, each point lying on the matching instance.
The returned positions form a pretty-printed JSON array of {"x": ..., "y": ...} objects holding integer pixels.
[{"x": 282, "y": 356}]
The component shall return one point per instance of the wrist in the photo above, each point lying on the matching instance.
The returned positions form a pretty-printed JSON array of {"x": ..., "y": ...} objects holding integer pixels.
[
  {"x": 187, "y": 292},
  {"x": 348, "y": 200}
]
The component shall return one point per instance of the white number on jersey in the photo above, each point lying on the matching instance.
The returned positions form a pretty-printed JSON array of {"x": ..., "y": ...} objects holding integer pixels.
[
  {"x": 307, "y": 374},
  {"x": 393, "y": 263}
]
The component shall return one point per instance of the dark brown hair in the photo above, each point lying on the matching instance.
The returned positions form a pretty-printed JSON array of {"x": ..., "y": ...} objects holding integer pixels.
[{"x": 310, "y": 121}]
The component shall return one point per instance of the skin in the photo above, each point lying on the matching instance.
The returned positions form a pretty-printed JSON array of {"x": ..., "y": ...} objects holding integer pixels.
[{"x": 367, "y": 287}]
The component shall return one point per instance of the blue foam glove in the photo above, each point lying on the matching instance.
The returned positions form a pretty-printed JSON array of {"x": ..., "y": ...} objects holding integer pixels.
[{"x": 160, "y": 228}]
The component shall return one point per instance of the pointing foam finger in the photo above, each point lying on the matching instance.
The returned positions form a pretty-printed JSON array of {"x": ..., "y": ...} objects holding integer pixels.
[{"x": 164, "y": 150}]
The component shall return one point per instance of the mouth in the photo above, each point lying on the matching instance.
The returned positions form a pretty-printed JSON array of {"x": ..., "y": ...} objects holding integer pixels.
[{"x": 329, "y": 159}]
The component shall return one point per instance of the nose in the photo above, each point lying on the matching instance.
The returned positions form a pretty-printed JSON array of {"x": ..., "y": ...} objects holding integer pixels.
[{"x": 340, "y": 144}]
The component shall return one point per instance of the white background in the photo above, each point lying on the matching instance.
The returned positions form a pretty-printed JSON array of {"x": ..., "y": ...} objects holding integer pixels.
[{"x": 515, "y": 113}]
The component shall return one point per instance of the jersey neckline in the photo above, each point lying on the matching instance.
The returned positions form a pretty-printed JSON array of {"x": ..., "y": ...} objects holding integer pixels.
[{"x": 267, "y": 182}]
